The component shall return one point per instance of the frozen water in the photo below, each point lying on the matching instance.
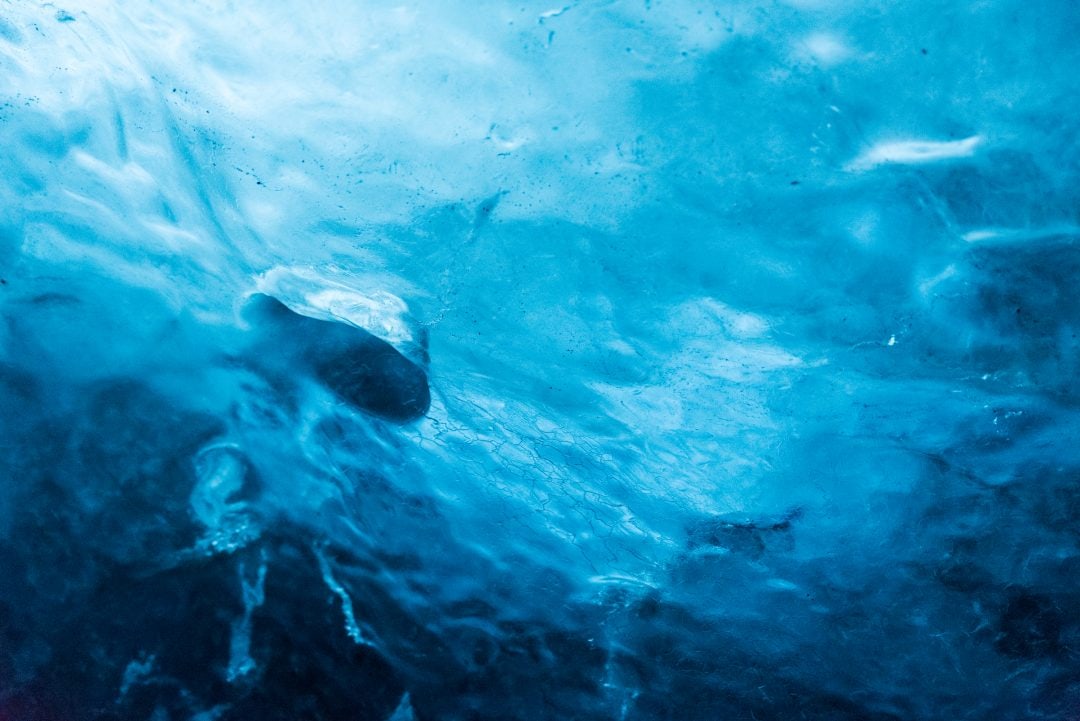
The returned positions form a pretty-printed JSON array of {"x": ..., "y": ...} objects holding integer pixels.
[{"x": 615, "y": 360}]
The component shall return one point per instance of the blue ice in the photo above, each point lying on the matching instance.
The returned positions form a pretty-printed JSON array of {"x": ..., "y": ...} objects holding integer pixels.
[{"x": 637, "y": 359}]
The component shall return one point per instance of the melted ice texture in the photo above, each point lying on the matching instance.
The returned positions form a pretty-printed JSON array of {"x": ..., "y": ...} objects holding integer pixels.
[{"x": 752, "y": 332}]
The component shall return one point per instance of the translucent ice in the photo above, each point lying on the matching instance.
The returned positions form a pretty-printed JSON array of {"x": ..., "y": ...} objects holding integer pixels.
[{"x": 638, "y": 359}]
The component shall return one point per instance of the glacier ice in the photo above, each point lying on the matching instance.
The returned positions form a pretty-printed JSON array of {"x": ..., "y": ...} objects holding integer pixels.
[
  {"x": 360, "y": 367},
  {"x": 913, "y": 152},
  {"x": 638, "y": 359}
]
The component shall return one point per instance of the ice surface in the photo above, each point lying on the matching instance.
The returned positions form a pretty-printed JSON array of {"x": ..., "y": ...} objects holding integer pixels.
[{"x": 627, "y": 360}]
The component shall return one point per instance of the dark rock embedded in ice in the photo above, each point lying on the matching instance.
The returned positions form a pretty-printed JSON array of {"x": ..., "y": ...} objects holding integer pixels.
[
  {"x": 161, "y": 646},
  {"x": 305, "y": 664},
  {"x": 687, "y": 667},
  {"x": 106, "y": 613},
  {"x": 740, "y": 535},
  {"x": 1005, "y": 189},
  {"x": 1030, "y": 627},
  {"x": 1019, "y": 301},
  {"x": 122, "y": 475},
  {"x": 361, "y": 368}
]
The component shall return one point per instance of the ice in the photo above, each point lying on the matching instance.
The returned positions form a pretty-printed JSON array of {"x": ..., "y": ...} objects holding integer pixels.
[
  {"x": 359, "y": 367},
  {"x": 915, "y": 152},
  {"x": 637, "y": 359}
]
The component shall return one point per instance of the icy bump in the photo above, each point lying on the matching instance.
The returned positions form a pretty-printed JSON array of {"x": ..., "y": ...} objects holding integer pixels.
[
  {"x": 404, "y": 711},
  {"x": 136, "y": 671},
  {"x": 222, "y": 498},
  {"x": 371, "y": 308},
  {"x": 826, "y": 49}
]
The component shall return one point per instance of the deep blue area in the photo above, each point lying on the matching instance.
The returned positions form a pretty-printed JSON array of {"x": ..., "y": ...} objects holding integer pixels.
[{"x": 614, "y": 360}]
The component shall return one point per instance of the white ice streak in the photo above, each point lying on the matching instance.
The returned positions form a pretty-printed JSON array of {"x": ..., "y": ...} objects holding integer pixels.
[
  {"x": 1001, "y": 236},
  {"x": 379, "y": 312},
  {"x": 351, "y": 626},
  {"x": 240, "y": 661},
  {"x": 914, "y": 152}
]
